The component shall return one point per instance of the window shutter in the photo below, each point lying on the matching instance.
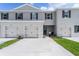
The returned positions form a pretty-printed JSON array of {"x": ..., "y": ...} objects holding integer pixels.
[
  {"x": 31, "y": 16},
  {"x": 51, "y": 16},
  {"x": 63, "y": 13},
  {"x": 45, "y": 16},
  {"x": 16, "y": 16},
  {"x": 7, "y": 16},
  {"x": 37, "y": 16},
  {"x": 69, "y": 13}
]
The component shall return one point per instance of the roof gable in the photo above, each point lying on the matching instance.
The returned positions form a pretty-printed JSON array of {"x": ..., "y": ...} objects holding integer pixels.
[{"x": 26, "y": 7}]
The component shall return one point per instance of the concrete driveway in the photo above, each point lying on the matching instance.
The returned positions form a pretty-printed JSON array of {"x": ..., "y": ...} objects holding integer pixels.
[{"x": 35, "y": 47}]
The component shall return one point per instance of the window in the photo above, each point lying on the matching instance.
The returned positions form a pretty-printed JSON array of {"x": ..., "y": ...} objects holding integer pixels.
[
  {"x": 34, "y": 16},
  {"x": 4, "y": 16},
  {"x": 48, "y": 15},
  {"x": 66, "y": 13},
  {"x": 76, "y": 28},
  {"x": 19, "y": 15}
]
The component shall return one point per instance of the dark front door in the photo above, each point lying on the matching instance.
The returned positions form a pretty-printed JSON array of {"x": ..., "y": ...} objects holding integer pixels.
[{"x": 44, "y": 30}]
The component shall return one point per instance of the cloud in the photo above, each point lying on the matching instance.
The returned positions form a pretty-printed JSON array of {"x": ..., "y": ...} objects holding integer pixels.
[
  {"x": 46, "y": 8},
  {"x": 56, "y": 5},
  {"x": 51, "y": 8},
  {"x": 75, "y": 5},
  {"x": 43, "y": 8}
]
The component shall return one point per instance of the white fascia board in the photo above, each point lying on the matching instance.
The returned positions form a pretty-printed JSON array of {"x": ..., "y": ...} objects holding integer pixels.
[
  {"x": 19, "y": 21},
  {"x": 26, "y": 5},
  {"x": 26, "y": 11}
]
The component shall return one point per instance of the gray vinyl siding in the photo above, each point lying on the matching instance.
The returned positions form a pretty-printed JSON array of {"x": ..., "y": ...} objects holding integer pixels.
[
  {"x": 27, "y": 16},
  {"x": 65, "y": 26}
]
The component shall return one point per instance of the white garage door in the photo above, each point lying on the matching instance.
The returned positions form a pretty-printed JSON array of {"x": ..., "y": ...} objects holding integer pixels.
[
  {"x": 31, "y": 31},
  {"x": 25, "y": 29},
  {"x": 10, "y": 31},
  {"x": 21, "y": 30}
]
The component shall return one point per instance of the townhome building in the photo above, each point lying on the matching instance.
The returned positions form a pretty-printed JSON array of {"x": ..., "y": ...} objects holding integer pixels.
[{"x": 29, "y": 21}]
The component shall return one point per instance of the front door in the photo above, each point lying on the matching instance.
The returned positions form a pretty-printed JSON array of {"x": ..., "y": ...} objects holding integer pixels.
[{"x": 44, "y": 30}]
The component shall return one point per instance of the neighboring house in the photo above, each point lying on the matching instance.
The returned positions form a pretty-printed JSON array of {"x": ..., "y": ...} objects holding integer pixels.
[
  {"x": 29, "y": 21},
  {"x": 67, "y": 22}
]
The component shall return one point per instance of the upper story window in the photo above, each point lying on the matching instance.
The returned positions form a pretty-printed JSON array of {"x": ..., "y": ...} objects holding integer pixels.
[
  {"x": 34, "y": 16},
  {"x": 66, "y": 13},
  {"x": 76, "y": 28},
  {"x": 19, "y": 15},
  {"x": 48, "y": 15},
  {"x": 4, "y": 16}
]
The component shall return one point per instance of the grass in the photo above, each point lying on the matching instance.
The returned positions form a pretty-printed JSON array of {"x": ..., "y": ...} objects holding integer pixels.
[
  {"x": 5, "y": 44},
  {"x": 70, "y": 45}
]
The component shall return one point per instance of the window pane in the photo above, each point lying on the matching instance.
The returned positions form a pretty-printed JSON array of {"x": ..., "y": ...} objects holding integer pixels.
[
  {"x": 66, "y": 13},
  {"x": 76, "y": 28},
  {"x": 19, "y": 15},
  {"x": 48, "y": 15},
  {"x": 4, "y": 15},
  {"x": 34, "y": 16}
]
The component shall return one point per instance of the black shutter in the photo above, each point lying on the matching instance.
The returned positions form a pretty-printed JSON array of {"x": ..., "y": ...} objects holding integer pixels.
[
  {"x": 7, "y": 16},
  {"x": 22, "y": 16},
  {"x": 31, "y": 16},
  {"x": 45, "y": 16},
  {"x": 63, "y": 14},
  {"x": 16, "y": 16},
  {"x": 51, "y": 15},
  {"x": 36, "y": 16},
  {"x": 1, "y": 15},
  {"x": 69, "y": 13}
]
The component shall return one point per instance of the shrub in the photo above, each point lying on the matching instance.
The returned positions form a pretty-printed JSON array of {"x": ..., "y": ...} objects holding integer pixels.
[{"x": 19, "y": 37}]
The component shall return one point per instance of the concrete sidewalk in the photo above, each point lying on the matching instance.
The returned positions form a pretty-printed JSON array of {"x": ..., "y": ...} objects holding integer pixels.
[{"x": 35, "y": 47}]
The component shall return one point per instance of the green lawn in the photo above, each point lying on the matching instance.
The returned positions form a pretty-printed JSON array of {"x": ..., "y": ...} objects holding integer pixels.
[
  {"x": 5, "y": 44},
  {"x": 70, "y": 45}
]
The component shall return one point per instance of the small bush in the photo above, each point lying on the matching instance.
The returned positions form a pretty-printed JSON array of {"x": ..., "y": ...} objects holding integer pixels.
[{"x": 19, "y": 37}]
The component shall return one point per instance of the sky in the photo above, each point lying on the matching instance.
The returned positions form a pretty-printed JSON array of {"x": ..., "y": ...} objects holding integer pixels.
[{"x": 43, "y": 6}]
